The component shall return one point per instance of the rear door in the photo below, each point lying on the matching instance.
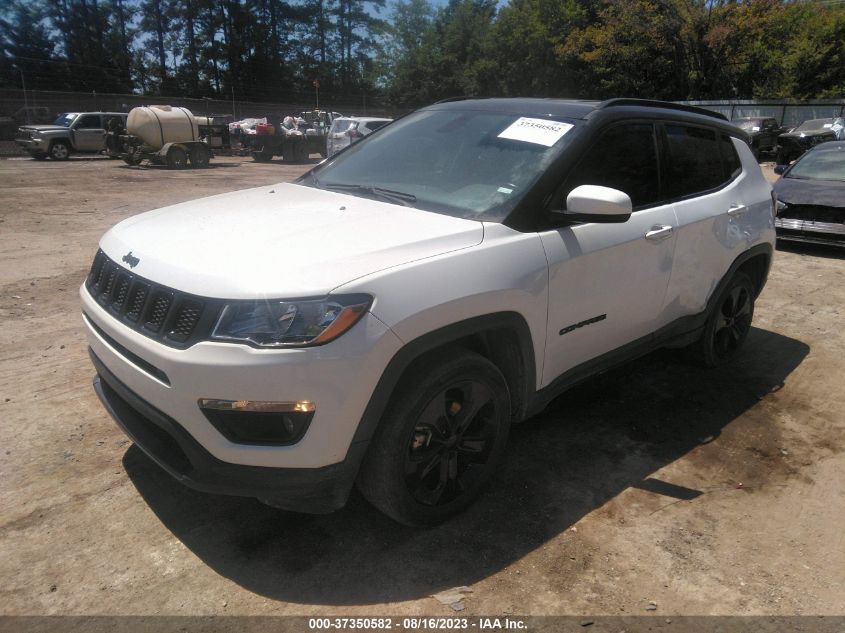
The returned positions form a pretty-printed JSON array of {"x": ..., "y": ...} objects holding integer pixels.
[
  {"x": 703, "y": 176},
  {"x": 89, "y": 135},
  {"x": 607, "y": 281}
]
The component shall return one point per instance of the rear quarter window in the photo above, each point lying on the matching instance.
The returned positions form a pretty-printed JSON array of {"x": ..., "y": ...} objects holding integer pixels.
[{"x": 732, "y": 164}]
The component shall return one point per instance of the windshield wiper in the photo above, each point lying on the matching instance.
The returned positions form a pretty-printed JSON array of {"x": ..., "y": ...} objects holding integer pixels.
[{"x": 407, "y": 199}]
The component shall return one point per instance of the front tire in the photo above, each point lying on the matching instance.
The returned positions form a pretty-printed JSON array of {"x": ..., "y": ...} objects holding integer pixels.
[
  {"x": 729, "y": 322},
  {"x": 440, "y": 440},
  {"x": 59, "y": 150}
]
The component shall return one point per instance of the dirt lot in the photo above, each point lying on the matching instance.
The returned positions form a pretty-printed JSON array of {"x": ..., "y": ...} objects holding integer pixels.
[{"x": 704, "y": 492}]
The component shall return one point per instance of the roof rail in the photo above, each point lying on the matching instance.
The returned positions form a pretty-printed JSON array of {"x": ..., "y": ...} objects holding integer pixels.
[
  {"x": 450, "y": 99},
  {"x": 652, "y": 103}
]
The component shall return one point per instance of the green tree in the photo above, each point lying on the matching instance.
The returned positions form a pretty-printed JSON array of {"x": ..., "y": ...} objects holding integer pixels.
[
  {"x": 26, "y": 51},
  {"x": 524, "y": 43}
]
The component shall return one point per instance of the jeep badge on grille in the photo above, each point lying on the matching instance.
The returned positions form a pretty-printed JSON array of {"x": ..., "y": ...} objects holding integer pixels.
[{"x": 129, "y": 259}]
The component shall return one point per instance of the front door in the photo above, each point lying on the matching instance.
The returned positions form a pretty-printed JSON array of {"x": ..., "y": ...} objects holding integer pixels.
[
  {"x": 89, "y": 134},
  {"x": 607, "y": 282}
]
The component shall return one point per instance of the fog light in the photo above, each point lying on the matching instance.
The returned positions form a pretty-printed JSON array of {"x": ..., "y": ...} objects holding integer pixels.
[{"x": 259, "y": 421}]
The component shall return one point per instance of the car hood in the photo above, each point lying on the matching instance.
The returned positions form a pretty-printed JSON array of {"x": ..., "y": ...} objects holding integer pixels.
[
  {"x": 827, "y": 193},
  {"x": 44, "y": 128},
  {"x": 817, "y": 132},
  {"x": 284, "y": 241}
]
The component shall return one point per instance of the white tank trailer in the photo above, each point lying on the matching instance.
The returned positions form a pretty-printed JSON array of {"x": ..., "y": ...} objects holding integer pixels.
[{"x": 164, "y": 135}]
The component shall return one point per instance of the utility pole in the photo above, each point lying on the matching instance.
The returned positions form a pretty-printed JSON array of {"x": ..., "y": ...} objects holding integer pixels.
[
  {"x": 363, "y": 88},
  {"x": 25, "y": 101}
]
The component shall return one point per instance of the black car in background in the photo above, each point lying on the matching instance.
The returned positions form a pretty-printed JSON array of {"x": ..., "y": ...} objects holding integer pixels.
[
  {"x": 811, "y": 196},
  {"x": 762, "y": 131},
  {"x": 809, "y": 134}
]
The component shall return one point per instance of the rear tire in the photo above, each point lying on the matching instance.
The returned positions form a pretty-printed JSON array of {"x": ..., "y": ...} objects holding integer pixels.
[
  {"x": 177, "y": 158},
  {"x": 728, "y": 324},
  {"x": 440, "y": 440}
]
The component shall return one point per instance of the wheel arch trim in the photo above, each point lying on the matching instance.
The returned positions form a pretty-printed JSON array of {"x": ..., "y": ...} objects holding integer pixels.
[{"x": 415, "y": 349}]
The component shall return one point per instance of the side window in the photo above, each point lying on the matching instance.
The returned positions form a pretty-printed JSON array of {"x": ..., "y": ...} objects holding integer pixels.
[
  {"x": 732, "y": 163},
  {"x": 624, "y": 158},
  {"x": 374, "y": 125},
  {"x": 88, "y": 121},
  {"x": 694, "y": 162}
]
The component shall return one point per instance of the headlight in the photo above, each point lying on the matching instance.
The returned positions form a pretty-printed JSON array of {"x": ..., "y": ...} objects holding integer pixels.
[
  {"x": 290, "y": 323},
  {"x": 780, "y": 206}
]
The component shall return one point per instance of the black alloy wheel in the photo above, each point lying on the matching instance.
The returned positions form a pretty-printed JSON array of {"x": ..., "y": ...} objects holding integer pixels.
[
  {"x": 450, "y": 443},
  {"x": 733, "y": 321},
  {"x": 440, "y": 440},
  {"x": 729, "y": 323}
]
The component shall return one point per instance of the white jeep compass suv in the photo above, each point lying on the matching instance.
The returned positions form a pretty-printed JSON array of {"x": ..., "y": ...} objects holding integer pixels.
[{"x": 385, "y": 319}]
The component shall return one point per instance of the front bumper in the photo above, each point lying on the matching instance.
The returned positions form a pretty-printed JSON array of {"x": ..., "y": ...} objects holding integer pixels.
[
  {"x": 32, "y": 144},
  {"x": 810, "y": 232},
  {"x": 339, "y": 377},
  {"x": 166, "y": 442}
]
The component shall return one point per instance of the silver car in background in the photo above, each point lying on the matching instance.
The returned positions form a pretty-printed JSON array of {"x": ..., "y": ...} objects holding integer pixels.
[{"x": 347, "y": 130}]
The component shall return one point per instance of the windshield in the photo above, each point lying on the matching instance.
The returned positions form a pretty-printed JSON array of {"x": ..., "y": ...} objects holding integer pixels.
[
  {"x": 820, "y": 165},
  {"x": 814, "y": 124},
  {"x": 65, "y": 119},
  {"x": 464, "y": 163}
]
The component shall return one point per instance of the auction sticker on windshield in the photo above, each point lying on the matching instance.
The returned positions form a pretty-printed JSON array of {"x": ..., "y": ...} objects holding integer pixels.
[{"x": 539, "y": 131}]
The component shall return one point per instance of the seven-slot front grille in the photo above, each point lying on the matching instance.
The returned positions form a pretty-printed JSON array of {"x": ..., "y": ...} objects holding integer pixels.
[{"x": 171, "y": 317}]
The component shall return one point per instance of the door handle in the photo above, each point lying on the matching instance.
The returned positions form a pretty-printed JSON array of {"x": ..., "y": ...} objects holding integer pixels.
[
  {"x": 737, "y": 209},
  {"x": 659, "y": 232}
]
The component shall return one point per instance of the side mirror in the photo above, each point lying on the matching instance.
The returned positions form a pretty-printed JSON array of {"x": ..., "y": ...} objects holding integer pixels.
[
  {"x": 779, "y": 169},
  {"x": 592, "y": 203}
]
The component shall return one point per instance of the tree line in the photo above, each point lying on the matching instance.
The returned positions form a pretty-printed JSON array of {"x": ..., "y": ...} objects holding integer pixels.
[{"x": 414, "y": 52}]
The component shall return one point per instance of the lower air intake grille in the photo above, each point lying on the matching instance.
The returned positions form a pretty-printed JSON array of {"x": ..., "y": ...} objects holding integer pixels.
[{"x": 169, "y": 316}]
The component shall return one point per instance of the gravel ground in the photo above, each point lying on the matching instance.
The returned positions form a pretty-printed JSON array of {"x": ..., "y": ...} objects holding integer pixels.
[{"x": 702, "y": 492}]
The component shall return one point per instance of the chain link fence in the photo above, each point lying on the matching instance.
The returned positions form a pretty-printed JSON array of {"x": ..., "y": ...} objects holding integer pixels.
[
  {"x": 19, "y": 107},
  {"x": 787, "y": 113}
]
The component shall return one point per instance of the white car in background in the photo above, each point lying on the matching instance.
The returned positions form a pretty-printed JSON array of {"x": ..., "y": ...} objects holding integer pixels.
[{"x": 347, "y": 130}]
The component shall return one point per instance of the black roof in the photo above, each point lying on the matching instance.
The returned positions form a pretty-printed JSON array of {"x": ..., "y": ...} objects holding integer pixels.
[{"x": 570, "y": 108}]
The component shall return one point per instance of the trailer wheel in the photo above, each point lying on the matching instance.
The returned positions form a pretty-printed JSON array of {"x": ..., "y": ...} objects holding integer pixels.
[
  {"x": 200, "y": 157},
  {"x": 177, "y": 158},
  {"x": 301, "y": 154},
  {"x": 262, "y": 156}
]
